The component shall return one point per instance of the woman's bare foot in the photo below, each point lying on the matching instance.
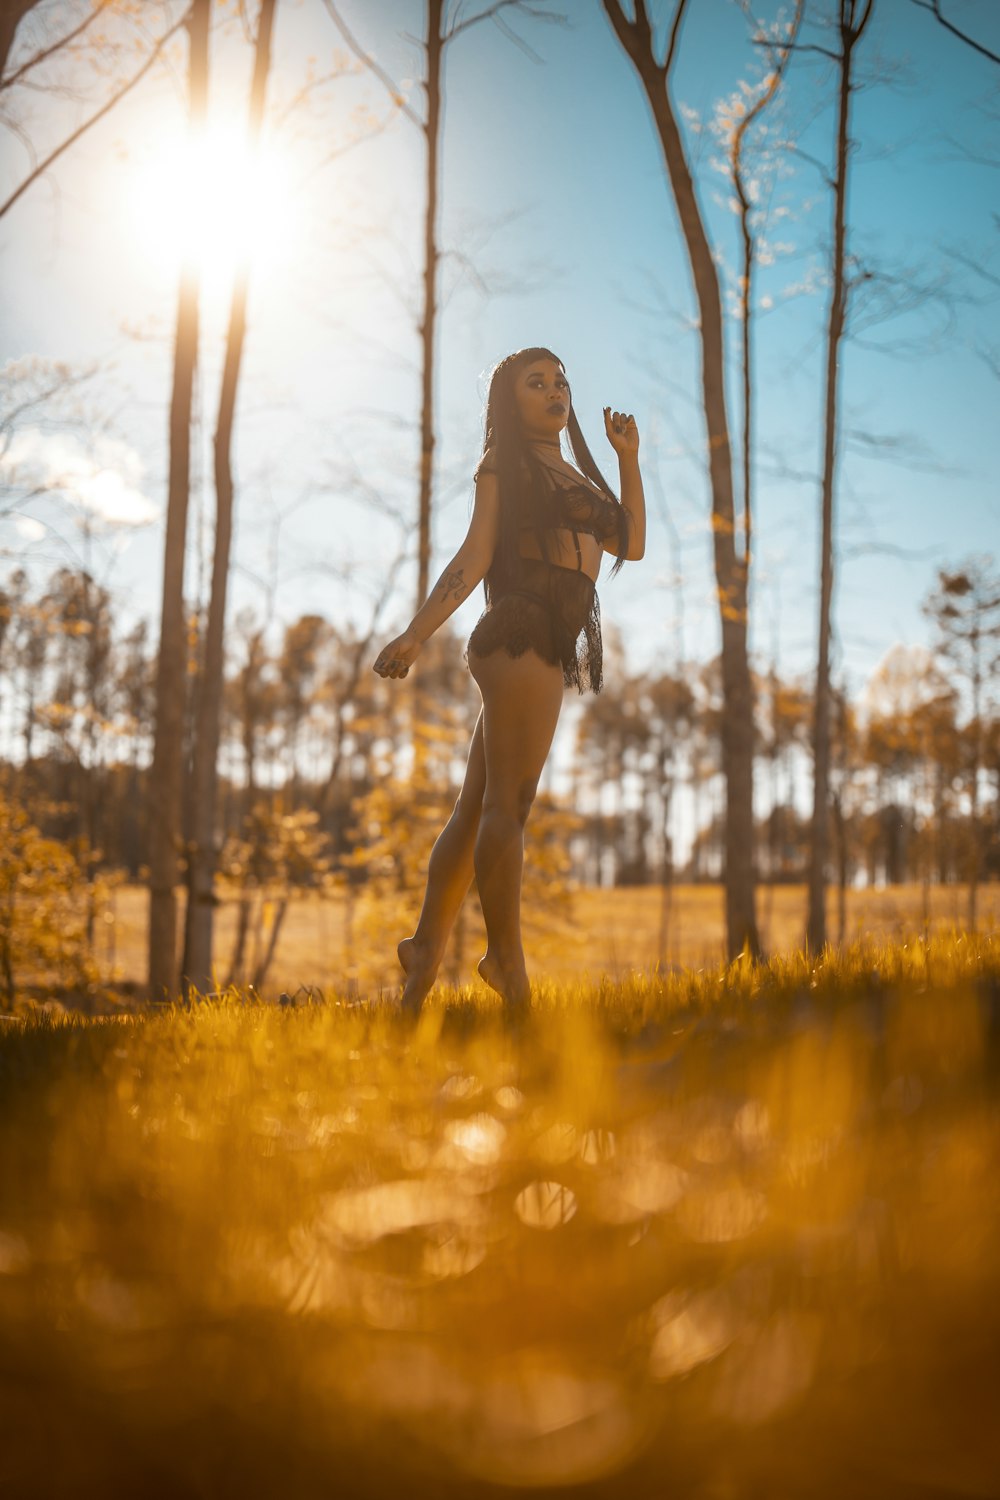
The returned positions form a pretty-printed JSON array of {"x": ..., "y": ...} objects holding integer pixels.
[
  {"x": 420, "y": 970},
  {"x": 509, "y": 982}
]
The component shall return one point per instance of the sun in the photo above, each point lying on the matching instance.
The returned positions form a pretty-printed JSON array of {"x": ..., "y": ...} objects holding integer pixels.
[{"x": 210, "y": 200}]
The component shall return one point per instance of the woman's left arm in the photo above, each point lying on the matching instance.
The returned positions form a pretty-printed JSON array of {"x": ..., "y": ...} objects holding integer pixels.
[{"x": 623, "y": 435}]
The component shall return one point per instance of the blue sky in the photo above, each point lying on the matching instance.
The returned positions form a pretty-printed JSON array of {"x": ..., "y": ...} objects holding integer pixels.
[{"x": 553, "y": 188}]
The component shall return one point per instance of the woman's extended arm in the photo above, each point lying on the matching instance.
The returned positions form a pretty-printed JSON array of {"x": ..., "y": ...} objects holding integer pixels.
[
  {"x": 467, "y": 568},
  {"x": 623, "y": 435}
]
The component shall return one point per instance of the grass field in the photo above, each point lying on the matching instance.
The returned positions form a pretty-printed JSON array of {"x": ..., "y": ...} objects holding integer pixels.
[
  {"x": 707, "y": 1235},
  {"x": 599, "y": 932}
]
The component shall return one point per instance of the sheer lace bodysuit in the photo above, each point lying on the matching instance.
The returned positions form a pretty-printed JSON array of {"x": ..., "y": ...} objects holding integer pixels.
[{"x": 554, "y": 610}]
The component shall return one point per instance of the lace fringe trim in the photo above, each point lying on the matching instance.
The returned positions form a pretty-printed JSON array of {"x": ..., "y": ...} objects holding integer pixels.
[{"x": 563, "y": 630}]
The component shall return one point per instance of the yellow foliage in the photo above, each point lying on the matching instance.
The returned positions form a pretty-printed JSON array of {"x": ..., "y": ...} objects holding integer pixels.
[{"x": 43, "y": 908}]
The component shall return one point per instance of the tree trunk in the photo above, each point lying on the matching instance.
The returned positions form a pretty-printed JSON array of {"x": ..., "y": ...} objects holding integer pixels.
[
  {"x": 977, "y": 739},
  {"x": 260, "y": 973},
  {"x": 731, "y": 570},
  {"x": 197, "y": 967},
  {"x": 349, "y": 688},
  {"x": 666, "y": 870},
  {"x": 166, "y": 773},
  {"x": 242, "y": 929},
  {"x": 456, "y": 967},
  {"x": 433, "y": 46},
  {"x": 840, "y": 823},
  {"x": 432, "y": 131},
  {"x": 7, "y": 944},
  {"x": 746, "y": 298},
  {"x": 816, "y": 925},
  {"x": 940, "y": 822}
]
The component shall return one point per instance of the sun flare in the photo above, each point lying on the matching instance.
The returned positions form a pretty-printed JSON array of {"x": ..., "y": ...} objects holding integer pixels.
[{"x": 212, "y": 199}]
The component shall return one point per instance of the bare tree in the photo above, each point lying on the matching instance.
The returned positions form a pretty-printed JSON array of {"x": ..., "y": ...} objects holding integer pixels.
[
  {"x": 197, "y": 964},
  {"x": 731, "y": 566},
  {"x": 779, "y": 56},
  {"x": 671, "y": 711},
  {"x": 165, "y": 806},
  {"x": 12, "y": 13},
  {"x": 852, "y": 19},
  {"x": 439, "y": 31},
  {"x": 353, "y": 660},
  {"x": 434, "y": 50},
  {"x": 966, "y": 610}
]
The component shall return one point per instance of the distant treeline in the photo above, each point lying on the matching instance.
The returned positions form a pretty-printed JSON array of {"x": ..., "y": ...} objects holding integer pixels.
[{"x": 312, "y": 740}]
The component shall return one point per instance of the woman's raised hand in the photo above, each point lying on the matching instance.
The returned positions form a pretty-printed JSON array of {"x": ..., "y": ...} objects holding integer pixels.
[
  {"x": 396, "y": 659},
  {"x": 623, "y": 434}
]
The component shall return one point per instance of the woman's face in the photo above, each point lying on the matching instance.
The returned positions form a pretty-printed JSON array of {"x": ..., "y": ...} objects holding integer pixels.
[{"x": 541, "y": 395}]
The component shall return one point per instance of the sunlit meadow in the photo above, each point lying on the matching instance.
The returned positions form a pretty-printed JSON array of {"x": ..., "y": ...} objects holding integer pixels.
[
  {"x": 719, "y": 1234},
  {"x": 328, "y": 944}
]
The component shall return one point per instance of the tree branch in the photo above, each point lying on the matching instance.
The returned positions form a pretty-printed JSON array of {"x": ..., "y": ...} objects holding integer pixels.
[
  {"x": 64, "y": 382},
  {"x": 46, "y": 52},
  {"x": 934, "y": 6},
  {"x": 492, "y": 13},
  {"x": 555, "y": 17},
  {"x": 813, "y": 161},
  {"x": 628, "y": 31},
  {"x": 674, "y": 33},
  {"x": 82, "y": 130},
  {"x": 801, "y": 47},
  {"x": 990, "y": 360},
  {"x": 365, "y": 58},
  {"x": 974, "y": 266},
  {"x": 888, "y": 549},
  {"x": 636, "y": 37},
  {"x": 778, "y": 60}
]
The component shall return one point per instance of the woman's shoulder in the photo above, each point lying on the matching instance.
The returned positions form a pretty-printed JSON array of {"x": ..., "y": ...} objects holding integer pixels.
[{"x": 489, "y": 463}]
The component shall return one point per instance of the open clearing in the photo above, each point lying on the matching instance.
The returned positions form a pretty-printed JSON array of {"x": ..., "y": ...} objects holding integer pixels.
[{"x": 340, "y": 949}]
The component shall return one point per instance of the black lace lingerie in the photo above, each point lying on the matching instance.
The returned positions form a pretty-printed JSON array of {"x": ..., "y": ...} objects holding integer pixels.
[{"x": 554, "y": 610}]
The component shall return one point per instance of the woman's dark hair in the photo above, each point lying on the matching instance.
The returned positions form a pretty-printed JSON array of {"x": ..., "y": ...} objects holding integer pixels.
[{"x": 527, "y": 489}]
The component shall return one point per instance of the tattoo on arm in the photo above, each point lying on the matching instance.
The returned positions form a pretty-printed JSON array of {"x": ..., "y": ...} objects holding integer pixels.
[{"x": 452, "y": 583}]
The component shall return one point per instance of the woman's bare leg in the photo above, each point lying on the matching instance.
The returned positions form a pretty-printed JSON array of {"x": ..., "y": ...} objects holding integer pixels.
[
  {"x": 449, "y": 875},
  {"x": 522, "y": 697}
]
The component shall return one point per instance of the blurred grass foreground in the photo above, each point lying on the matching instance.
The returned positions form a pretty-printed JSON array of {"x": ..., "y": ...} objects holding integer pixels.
[{"x": 718, "y": 1235}]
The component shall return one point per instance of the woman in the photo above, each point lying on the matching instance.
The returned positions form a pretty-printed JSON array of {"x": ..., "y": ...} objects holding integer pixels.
[{"x": 538, "y": 530}]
